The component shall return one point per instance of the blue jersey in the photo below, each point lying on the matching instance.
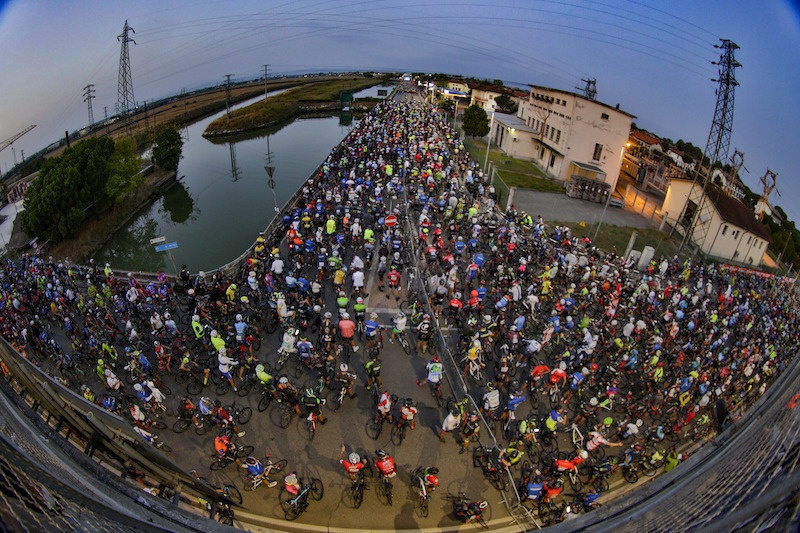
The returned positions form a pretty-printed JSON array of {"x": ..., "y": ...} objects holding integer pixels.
[{"x": 371, "y": 327}]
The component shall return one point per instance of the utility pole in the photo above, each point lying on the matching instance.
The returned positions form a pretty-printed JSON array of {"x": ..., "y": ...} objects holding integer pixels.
[
  {"x": 266, "y": 75},
  {"x": 88, "y": 95},
  {"x": 590, "y": 89},
  {"x": 696, "y": 212},
  {"x": 125, "y": 99},
  {"x": 105, "y": 113},
  {"x": 228, "y": 93}
]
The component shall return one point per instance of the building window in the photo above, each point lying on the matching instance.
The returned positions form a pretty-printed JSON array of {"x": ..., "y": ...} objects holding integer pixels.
[
  {"x": 749, "y": 238},
  {"x": 604, "y": 116},
  {"x": 552, "y": 160},
  {"x": 598, "y": 150},
  {"x": 552, "y": 133},
  {"x": 547, "y": 130},
  {"x": 724, "y": 229},
  {"x": 558, "y": 136}
]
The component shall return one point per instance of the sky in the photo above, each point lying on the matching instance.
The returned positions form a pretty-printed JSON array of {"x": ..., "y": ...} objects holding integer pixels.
[{"x": 653, "y": 58}]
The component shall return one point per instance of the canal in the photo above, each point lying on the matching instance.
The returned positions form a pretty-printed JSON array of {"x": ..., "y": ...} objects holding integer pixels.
[{"x": 222, "y": 198}]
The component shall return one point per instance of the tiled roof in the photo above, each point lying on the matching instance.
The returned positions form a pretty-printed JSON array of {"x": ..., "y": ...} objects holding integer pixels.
[
  {"x": 645, "y": 137},
  {"x": 735, "y": 212}
]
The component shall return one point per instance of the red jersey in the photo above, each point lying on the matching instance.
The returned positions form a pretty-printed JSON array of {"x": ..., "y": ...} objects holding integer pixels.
[
  {"x": 386, "y": 465},
  {"x": 394, "y": 278},
  {"x": 351, "y": 468}
]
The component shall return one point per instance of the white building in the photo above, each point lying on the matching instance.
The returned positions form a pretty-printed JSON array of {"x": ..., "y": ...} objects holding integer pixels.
[
  {"x": 731, "y": 233},
  {"x": 566, "y": 135}
]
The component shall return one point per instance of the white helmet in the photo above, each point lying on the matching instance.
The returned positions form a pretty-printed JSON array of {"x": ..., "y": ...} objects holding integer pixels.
[
  {"x": 239, "y": 318},
  {"x": 354, "y": 458},
  {"x": 343, "y": 367},
  {"x": 137, "y": 387}
]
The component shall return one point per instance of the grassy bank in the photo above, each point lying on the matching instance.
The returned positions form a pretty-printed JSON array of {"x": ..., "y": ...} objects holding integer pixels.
[
  {"x": 310, "y": 98},
  {"x": 514, "y": 172}
]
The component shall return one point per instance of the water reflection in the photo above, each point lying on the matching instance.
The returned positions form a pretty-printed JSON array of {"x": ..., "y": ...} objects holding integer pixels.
[
  {"x": 133, "y": 249},
  {"x": 178, "y": 204}
]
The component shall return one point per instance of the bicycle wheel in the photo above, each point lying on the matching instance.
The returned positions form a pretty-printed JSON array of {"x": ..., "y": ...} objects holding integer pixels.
[
  {"x": 244, "y": 451},
  {"x": 317, "y": 489},
  {"x": 248, "y": 483},
  {"x": 600, "y": 484},
  {"x": 244, "y": 388},
  {"x": 312, "y": 430},
  {"x": 374, "y": 427},
  {"x": 263, "y": 403},
  {"x": 181, "y": 425},
  {"x": 497, "y": 480},
  {"x": 195, "y": 387},
  {"x": 166, "y": 389},
  {"x": 225, "y": 517},
  {"x": 292, "y": 512},
  {"x": 401, "y": 337},
  {"x": 232, "y": 493},
  {"x": 158, "y": 424},
  {"x": 407, "y": 307},
  {"x": 285, "y": 418},
  {"x": 256, "y": 344},
  {"x": 647, "y": 468},
  {"x": 423, "y": 507},
  {"x": 223, "y": 387},
  {"x": 243, "y": 417},
  {"x": 630, "y": 474},
  {"x": 576, "y": 483},
  {"x": 182, "y": 377},
  {"x": 387, "y": 491},
  {"x": 398, "y": 434},
  {"x": 218, "y": 464},
  {"x": 548, "y": 442},
  {"x": 358, "y": 494},
  {"x": 279, "y": 466}
]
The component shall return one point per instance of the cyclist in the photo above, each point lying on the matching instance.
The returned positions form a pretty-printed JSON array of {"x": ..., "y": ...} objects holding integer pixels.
[
  {"x": 429, "y": 479},
  {"x": 225, "y": 365},
  {"x": 474, "y": 355},
  {"x": 223, "y": 416},
  {"x": 312, "y": 404},
  {"x": 435, "y": 370},
  {"x": 451, "y": 422},
  {"x": 257, "y": 471},
  {"x": 555, "y": 418},
  {"x": 385, "y": 464},
  {"x": 371, "y": 329},
  {"x": 385, "y": 403},
  {"x": 187, "y": 409},
  {"x": 241, "y": 328},
  {"x": 408, "y": 412},
  {"x": 511, "y": 455},
  {"x": 424, "y": 333},
  {"x": 491, "y": 400},
  {"x": 305, "y": 350},
  {"x": 394, "y": 277},
  {"x": 222, "y": 444},
  {"x": 398, "y": 325},
  {"x": 471, "y": 511},
  {"x": 292, "y": 484},
  {"x": 347, "y": 330},
  {"x": 353, "y": 464},
  {"x": 373, "y": 367},
  {"x": 264, "y": 377},
  {"x": 534, "y": 488},
  {"x": 286, "y": 392},
  {"x": 469, "y": 430},
  {"x": 596, "y": 439},
  {"x": 346, "y": 379}
]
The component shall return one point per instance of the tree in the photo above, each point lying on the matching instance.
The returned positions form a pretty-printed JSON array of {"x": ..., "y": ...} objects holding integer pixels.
[
  {"x": 125, "y": 167},
  {"x": 167, "y": 150},
  {"x": 475, "y": 121},
  {"x": 506, "y": 104},
  {"x": 447, "y": 105}
]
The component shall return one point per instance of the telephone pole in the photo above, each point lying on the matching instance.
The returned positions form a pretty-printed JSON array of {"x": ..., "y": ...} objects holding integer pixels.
[
  {"x": 125, "y": 99},
  {"x": 228, "y": 93},
  {"x": 266, "y": 75},
  {"x": 590, "y": 89},
  {"x": 88, "y": 95}
]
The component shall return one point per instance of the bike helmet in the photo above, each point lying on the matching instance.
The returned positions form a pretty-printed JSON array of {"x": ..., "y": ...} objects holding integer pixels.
[
  {"x": 259, "y": 367},
  {"x": 137, "y": 387},
  {"x": 345, "y": 316},
  {"x": 156, "y": 343},
  {"x": 435, "y": 358},
  {"x": 343, "y": 367},
  {"x": 239, "y": 318},
  {"x": 593, "y": 402},
  {"x": 607, "y": 421},
  {"x": 309, "y": 392},
  {"x": 373, "y": 315},
  {"x": 380, "y": 453},
  {"x": 100, "y": 362},
  {"x": 583, "y": 454},
  {"x": 84, "y": 388},
  {"x": 195, "y": 318},
  {"x": 487, "y": 319},
  {"x": 205, "y": 399},
  {"x": 251, "y": 461},
  {"x": 284, "y": 380},
  {"x": 214, "y": 333},
  {"x": 328, "y": 314},
  {"x": 354, "y": 458},
  {"x": 513, "y": 328},
  {"x": 359, "y": 300},
  {"x": 393, "y": 398},
  {"x": 218, "y": 403},
  {"x": 639, "y": 422},
  {"x": 408, "y": 402},
  {"x": 483, "y": 504},
  {"x": 457, "y": 295}
]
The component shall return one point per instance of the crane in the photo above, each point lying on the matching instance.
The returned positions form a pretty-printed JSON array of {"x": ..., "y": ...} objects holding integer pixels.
[{"x": 8, "y": 142}]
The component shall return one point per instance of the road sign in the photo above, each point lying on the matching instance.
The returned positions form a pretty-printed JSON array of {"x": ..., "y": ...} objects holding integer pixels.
[
  {"x": 158, "y": 240},
  {"x": 166, "y": 246},
  {"x": 390, "y": 221}
]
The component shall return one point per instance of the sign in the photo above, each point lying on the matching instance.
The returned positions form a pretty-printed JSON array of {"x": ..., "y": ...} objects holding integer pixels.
[
  {"x": 158, "y": 240},
  {"x": 166, "y": 246},
  {"x": 390, "y": 221}
]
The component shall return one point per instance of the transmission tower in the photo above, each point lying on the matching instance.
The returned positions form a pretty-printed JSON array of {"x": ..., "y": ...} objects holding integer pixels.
[
  {"x": 266, "y": 75},
  {"x": 228, "y": 93},
  {"x": 88, "y": 95},
  {"x": 696, "y": 212},
  {"x": 590, "y": 89},
  {"x": 125, "y": 100}
]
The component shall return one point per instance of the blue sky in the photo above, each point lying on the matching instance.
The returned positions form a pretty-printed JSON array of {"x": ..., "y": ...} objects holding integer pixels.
[{"x": 651, "y": 57}]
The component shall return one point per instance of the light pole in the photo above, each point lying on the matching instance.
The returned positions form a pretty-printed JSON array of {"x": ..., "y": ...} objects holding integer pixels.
[{"x": 488, "y": 142}]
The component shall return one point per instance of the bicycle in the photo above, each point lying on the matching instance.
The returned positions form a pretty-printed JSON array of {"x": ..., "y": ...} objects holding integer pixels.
[
  {"x": 357, "y": 488},
  {"x": 297, "y": 505},
  {"x": 402, "y": 338},
  {"x": 423, "y": 496},
  {"x": 253, "y": 482},
  {"x": 312, "y": 418},
  {"x": 235, "y": 452},
  {"x": 484, "y": 459},
  {"x": 375, "y": 424},
  {"x": 228, "y": 491},
  {"x": 399, "y": 432},
  {"x": 469, "y": 513},
  {"x": 474, "y": 369},
  {"x": 387, "y": 487}
]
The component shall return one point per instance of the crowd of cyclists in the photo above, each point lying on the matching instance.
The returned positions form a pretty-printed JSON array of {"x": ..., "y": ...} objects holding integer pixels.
[{"x": 566, "y": 351}]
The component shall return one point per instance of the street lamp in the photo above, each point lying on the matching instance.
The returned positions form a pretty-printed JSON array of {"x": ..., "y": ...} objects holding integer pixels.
[{"x": 488, "y": 143}]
